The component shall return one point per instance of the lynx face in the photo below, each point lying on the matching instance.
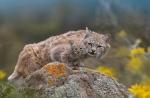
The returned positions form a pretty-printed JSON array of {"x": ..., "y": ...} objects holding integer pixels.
[
  {"x": 78, "y": 48},
  {"x": 96, "y": 44}
]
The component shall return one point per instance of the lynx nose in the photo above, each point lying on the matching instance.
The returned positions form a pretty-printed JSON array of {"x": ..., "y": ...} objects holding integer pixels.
[
  {"x": 93, "y": 49},
  {"x": 92, "y": 52}
]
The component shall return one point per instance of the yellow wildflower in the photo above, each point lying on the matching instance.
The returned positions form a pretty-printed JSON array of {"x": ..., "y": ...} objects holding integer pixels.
[
  {"x": 2, "y": 74},
  {"x": 123, "y": 51},
  {"x": 135, "y": 63},
  {"x": 140, "y": 91},
  {"x": 106, "y": 70},
  {"x": 137, "y": 51},
  {"x": 148, "y": 49},
  {"x": 122, "y": 34}
]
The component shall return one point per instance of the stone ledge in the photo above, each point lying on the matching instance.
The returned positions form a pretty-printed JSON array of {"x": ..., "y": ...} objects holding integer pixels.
[{"x": 56, "y": 80}]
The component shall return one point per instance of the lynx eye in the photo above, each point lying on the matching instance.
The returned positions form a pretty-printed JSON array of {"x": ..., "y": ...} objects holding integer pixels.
[
  {"x": 75, "y": 49},
  {"x": 90, "y": 44},
  {"x": 99, "y": 46}
]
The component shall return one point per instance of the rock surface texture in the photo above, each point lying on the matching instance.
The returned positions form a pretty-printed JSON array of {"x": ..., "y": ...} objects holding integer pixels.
[{"x": 56, "y": 80}]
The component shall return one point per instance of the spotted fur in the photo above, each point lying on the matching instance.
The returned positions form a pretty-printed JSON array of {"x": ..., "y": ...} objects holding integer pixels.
[{"x": 34, "y": 56}]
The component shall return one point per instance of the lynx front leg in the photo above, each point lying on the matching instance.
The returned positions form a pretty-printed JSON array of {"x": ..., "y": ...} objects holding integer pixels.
[{"x": 81, "y": 64}]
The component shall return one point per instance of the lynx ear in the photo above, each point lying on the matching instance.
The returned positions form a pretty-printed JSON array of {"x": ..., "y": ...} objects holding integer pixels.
[
  {"x": 71, "y": 42},
  {"x": 88, "y": 32},
  {"x": 108, "y": 37}
]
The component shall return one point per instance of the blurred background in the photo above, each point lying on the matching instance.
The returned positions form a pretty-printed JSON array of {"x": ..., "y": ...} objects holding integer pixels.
[{"x": 27, "y": 21}]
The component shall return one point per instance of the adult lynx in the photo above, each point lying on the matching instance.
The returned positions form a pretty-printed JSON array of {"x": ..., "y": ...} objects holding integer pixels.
[{"x": 34, "y": 56}]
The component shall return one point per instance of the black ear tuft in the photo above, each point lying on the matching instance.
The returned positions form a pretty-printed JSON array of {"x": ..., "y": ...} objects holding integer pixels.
[
  {"x": 88, "y": 32},
  {"x": 86, "y": 29}
]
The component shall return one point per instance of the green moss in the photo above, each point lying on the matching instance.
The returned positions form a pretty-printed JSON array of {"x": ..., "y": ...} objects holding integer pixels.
[{"x": 7, "y": 90}]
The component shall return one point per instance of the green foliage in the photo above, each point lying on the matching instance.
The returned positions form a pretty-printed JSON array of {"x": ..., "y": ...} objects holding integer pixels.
[{"x": 9, "y": 91}]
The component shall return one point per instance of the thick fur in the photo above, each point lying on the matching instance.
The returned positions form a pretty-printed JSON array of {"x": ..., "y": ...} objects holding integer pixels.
[
  {"x": 70, "y": 54},
  {"x": 34, "y": 56},
  {"x": 96, "y": 44}
]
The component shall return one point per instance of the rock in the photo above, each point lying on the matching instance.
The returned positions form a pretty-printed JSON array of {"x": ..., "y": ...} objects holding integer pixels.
[{"x": 56, "y": 80}]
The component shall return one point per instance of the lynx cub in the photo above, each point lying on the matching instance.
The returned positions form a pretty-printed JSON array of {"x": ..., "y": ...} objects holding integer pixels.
[{"x": 70, "y": 54}]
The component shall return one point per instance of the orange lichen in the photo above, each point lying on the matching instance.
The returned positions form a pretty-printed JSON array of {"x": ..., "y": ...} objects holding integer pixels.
[{"x": 57, "y": 70}]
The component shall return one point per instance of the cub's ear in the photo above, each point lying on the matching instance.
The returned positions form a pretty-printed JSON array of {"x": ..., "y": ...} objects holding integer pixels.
[
  {"x": 71, "y": 42},
  {"x": 87, "y": 32}
]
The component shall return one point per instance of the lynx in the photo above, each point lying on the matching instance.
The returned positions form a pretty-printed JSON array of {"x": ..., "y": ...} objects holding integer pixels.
[
  {"x": 97, "y": 45},
  {"x": 70, "y": 54},
  {"x": 36, "y": 55}
]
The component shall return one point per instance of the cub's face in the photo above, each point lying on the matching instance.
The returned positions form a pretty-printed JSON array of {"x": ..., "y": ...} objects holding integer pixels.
[
  {"x": 96, "y": 44},
  {"x": 78, "y": 48}
]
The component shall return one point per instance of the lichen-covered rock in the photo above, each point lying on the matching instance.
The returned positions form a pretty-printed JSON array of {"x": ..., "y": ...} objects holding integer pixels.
[
  {"x": 56, "y": 80},
  {"x": 50, "y": 75}
]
